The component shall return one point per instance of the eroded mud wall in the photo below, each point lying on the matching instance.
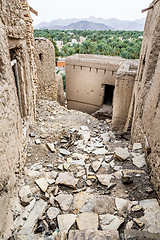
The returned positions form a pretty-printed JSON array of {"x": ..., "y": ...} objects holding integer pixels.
[
  {"x": 146, "y": 120},
  {"x": 45, "y": 60},
  {"x": 16, "y": 104}
]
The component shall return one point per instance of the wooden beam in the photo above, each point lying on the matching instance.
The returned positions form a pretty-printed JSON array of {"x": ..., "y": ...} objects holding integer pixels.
[
  {"x": 146, "y": 9},
  {"x": 152, "y": 6},
  {"x": 33, "y": 11}
]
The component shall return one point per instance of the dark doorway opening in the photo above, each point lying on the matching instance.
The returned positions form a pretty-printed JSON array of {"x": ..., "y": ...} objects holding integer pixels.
[{"x": 108, "y": 94}]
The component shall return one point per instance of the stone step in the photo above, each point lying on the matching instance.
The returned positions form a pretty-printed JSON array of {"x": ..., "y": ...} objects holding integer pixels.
[
  {"x": 93, "y": 235},
  {"x": 132, "y": 234}
]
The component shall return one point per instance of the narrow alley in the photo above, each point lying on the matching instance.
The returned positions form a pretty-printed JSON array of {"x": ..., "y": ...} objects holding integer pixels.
[{"x": 83, "y": 181}]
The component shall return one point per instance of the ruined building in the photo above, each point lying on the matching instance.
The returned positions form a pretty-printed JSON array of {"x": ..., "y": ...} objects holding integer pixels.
[
  {"x": 95, "y": 81},
  {"x": 135, "y": 100}
]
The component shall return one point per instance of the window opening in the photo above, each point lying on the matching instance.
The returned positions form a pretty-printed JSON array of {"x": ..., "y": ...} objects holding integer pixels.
[
  {"x": 15, "y": 72},
  {"x": 40, "y": 56}
]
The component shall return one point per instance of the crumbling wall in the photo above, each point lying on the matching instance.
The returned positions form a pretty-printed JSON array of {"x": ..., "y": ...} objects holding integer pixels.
[
  {"x": 60, "y": 90},
  {"x": 45, "y": 60},
  {"x": 17, "y": 105},
  {"x": 146, "y": 120},
  {"x": 124, "y": 85}
]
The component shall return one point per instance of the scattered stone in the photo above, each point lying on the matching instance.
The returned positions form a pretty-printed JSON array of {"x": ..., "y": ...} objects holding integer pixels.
[
  {"x": 51, "y": 147},
  {"x": 137, "y": 146},
  {"x": 129, "y": 225},
  {"x": 123, "y": 205},
  {"x": 24, "y": 194},
  {"x": 80, "y": 156},
  {"x": 66, "y": 179},
  {"x": 100, "y": 151},
  {"x": 42, "y": 184},
  {"x": 19, "y": 222},
  {"x": 84, "y": 128},
  {"x": 89, "y": 182},
  {"x": 34, "y": 215},
  {"x": 139, "y": 161},
  {"x": 104, "y": 179},
  {"x": 44, "y": 136},
  {"x": 149, "y": 190},
  {"x": 66, "y": 166},
  {"x": 117, "y": 168},
  {"x": 49, "y": 165},
  {"x": 110, "y": 222},
  {"x": 105, "y": 138},
  {"x": 38, "y": 141},
  {"x": 126, "y": 178},
  {"x": 97, "y": 145},
  {"x": 138, "y": 222},
  {"x": 50, "y": 181},
  {"x": 53, "y": 212},
  {"x": 87, "y": 221},
  {"x": 151, "y": 216},
  {"x": 64, "y": 152},
  {"x": 60, "y": 167},
  {"x": 137, "y": 208},
  {"x": 32, "y": 134},
  {"x": 64, "y": 141},
  {"x": 112, "y": 164},
  {"x": 42, "y": 226},
  {"x": 121, "y": 153},
  {"x": 25, "y": 201},
  {"x": 53, "y": 174},
  {"x": 108, "y": 158},
  {"x": 111, "y": 185},
  {"x": 96, "y": 165},
  {"x": 91, "y": 177},
  {"x": 85, "y": 135},
  {"x": 95, "y": 235},
  {"x": 69, "y": 160},
  {"x": 81, "y": 173},
  {"x": 80, "y": 162},
  {"x": 65, "y": 201},
  {"x": 66, "y": 221}
]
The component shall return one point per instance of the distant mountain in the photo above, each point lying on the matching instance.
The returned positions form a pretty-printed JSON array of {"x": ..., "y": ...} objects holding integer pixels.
[
  {"x": 111, "y": 23},
  {"x": 85, "y": 25}
]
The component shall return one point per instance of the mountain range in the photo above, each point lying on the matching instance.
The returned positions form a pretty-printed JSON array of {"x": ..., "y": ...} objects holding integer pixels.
[{"x": 93, "y": 23}]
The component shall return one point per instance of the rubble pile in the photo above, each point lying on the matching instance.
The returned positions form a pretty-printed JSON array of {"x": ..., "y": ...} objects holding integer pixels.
[{"x": 83, "y": 181}]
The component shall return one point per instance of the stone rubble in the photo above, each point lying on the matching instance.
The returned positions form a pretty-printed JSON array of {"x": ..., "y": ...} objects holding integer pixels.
[{"x": 83, "y": 182}]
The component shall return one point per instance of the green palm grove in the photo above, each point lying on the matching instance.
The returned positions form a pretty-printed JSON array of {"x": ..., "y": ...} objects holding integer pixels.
[{"x": 126, "y": 44}]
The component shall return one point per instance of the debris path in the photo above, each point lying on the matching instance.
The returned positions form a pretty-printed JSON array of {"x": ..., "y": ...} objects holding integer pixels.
[{"x": 83, "y": 181}]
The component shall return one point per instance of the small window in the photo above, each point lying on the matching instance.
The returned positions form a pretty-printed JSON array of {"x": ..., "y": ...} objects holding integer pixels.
[{"x": 40, "y": 56}]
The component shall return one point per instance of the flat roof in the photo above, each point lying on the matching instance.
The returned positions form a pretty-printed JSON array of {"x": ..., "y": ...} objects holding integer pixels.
[{"x": 95, "y": 61}]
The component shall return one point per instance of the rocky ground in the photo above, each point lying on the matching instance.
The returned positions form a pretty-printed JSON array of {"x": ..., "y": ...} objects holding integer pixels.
[{"x": 82, "y": 181}]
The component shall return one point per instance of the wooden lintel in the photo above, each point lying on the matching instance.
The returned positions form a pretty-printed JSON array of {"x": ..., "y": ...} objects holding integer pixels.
[{"x": 33, "y": 11}]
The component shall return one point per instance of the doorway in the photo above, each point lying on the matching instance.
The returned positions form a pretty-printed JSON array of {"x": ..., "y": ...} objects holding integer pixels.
[{"x": 108, "y": 94}]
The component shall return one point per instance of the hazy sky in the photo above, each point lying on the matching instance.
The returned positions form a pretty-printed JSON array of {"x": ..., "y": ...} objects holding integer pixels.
[{"x": 121, "y": 9}]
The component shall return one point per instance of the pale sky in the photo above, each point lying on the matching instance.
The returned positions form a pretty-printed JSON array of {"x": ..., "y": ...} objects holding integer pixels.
[{"x": 55, "y": 9}]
